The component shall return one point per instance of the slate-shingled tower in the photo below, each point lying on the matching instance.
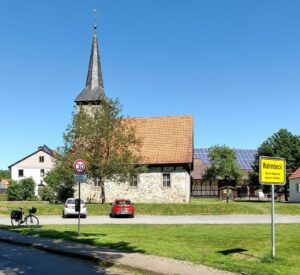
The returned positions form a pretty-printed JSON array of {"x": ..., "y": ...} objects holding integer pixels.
[{"x": 93, "y": 93}]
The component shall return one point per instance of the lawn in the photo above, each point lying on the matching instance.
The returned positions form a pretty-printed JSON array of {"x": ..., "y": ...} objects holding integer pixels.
[
  {"x": 236, "y": 248},
  {"x": 195, "y": 207}
]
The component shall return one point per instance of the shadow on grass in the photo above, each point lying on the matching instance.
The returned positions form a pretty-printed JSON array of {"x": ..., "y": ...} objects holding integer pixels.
[
  {"x": 232, "y": 251},
  {"x": 240, "y": 251},
  {"x": 94, "y": 239}
]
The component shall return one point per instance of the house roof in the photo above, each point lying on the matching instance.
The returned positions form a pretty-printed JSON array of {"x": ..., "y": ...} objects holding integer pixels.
[
  {"x": 200, "y": 167},
  {"x": 244, "y": 158},
  {"x": 296, "y": 174},
  {"x": 165, "y": 139},
  {"x": 43, "y": 148}
]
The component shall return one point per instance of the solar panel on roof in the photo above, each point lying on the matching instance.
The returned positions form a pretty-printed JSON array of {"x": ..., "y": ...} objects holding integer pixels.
[{"x": 244, "y": 157}]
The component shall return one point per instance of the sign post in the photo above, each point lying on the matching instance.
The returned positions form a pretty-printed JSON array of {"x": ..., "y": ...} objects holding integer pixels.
[
  {"x": 272, "y": 172},
  {"x": 79, "y": 166}
]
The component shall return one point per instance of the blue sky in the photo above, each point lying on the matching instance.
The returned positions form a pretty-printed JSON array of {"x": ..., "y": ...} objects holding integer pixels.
[{"x": 234, "y": 65}]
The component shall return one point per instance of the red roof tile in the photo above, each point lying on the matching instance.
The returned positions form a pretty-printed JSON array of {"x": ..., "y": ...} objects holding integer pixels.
[
  {"x": 165, "y": 139},
  {"x": 296, "y": 174}
]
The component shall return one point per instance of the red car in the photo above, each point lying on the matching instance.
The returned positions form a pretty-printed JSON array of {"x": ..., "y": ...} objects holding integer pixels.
[{"x": 122, "y": 207}]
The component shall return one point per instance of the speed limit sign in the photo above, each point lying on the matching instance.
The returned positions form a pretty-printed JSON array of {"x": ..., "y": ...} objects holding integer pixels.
[{"x": 79, "y": 166}]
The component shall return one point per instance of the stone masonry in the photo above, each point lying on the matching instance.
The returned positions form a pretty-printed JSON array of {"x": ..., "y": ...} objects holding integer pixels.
[{"x": 149, "y": 189}]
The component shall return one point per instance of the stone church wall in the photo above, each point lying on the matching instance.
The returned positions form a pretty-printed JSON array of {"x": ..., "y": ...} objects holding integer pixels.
[{"x": 149, "y": 189}]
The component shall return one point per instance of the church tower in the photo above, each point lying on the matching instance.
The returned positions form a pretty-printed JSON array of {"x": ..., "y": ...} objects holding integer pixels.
[{"x": 93, "y": 94}]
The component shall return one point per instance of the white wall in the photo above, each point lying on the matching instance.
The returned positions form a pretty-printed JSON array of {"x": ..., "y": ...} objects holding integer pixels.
[{"x": 294, "y": 192}]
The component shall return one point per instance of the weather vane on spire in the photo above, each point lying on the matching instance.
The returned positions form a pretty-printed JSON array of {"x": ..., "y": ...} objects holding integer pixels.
[{"x": 95, "y": 20}]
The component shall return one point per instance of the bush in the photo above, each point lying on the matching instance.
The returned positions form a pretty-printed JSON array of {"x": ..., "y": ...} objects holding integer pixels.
[
  {"x": 28, "y": 186},
  {"x": 46, "y": 193},
  {"x": 60, "y": 180},
  {"x": 14, "y": 192},
  {"x": 21, "y": 190}
]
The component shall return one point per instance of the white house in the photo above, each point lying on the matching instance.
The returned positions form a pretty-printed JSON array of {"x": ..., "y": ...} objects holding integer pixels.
[
  {"x": 35, "y": 165},
  {"x": 294, "y": 182}
]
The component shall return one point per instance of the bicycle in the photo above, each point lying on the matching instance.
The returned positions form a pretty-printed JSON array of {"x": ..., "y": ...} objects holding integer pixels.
[{"x": 30, "y": 219}]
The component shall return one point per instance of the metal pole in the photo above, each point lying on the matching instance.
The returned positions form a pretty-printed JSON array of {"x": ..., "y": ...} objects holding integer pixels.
[
  {"x": 273, "y": 223},
  {"x": 79, "y": 208}
]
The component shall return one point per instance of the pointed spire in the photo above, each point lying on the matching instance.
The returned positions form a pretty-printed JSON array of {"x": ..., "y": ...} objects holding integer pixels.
[
  {"x": 94, "y": 89},
  {"x": 95, "y": 21}
]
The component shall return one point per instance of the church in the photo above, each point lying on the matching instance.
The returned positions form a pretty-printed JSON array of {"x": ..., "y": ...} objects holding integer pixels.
[
  {"x": 166, "y": 149},
  {"x": 175, "y": 167}
]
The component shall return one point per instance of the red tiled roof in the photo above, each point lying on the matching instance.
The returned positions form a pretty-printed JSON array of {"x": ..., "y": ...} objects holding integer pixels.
[
  {"x": 165, "y": 139},
  {"x": 296, "y": 174}
]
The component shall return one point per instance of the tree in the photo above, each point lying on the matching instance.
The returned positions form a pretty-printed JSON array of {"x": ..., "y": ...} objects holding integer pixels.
[
  {"x": 60, "y": 183},
  {"x": 282, "y": 144},
  {"x": 106, "y": 141},
  {"x": 223, "y": 166},
  {"x": 4, "y": 174},
  {"x": 21, "y": 190},
  {"x": 46, "y": 193}
]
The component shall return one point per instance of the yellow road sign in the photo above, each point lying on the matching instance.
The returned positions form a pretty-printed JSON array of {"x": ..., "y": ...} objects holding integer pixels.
[{"x": 272, "y": 171}]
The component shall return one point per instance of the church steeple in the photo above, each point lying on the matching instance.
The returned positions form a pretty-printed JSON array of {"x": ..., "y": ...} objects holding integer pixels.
[{"x": 93, "y": 93}]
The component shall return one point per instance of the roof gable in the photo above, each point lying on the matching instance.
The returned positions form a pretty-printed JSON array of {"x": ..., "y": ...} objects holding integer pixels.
[{"x": 43, "y": 148}]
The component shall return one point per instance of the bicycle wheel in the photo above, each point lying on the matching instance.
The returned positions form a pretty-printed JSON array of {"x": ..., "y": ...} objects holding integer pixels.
[
  {"x": 15, "y": 222},
  {"x": 31, "y": 220}
]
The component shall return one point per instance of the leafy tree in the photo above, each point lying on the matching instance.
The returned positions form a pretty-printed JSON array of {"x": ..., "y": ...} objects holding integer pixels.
[
  {"x": 46, "y": 193},
  {"x": 223, "y": 166},
  {"x": 4, "y": 174},
  {"x": 106, "y": 141},
  {"x": 21, "y": 190},
  {"x": 60, "y": 183},
  {"x": 282, "y": 144}
]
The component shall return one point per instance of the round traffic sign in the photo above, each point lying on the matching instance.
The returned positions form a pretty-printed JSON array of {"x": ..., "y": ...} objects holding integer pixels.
[{"x": 79, "y": 166}]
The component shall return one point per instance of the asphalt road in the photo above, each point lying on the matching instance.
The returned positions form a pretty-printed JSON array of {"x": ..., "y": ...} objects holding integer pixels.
[
  {"x": 204, "y": 219},
  {"x": 15, "y": 259}
]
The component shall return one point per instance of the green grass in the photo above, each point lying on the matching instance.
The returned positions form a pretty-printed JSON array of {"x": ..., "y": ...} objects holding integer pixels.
[
  {"x": 236, "y": 248},
  {"x": 195, "y": 207}
]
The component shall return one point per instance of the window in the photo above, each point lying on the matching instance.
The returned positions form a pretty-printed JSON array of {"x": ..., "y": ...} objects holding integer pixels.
[
  {"x": 42, "y": 172},
  {"x": 41, "y": 158},
  {"x": 298, "y": 187},
  {"x": 166, "y": 180},
  {"x": 134, "y": 181},
  {"x": 21, "y": 173}
]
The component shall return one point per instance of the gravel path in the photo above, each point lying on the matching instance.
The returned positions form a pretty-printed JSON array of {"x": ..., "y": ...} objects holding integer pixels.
[{"x": 204, "y": 219}]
